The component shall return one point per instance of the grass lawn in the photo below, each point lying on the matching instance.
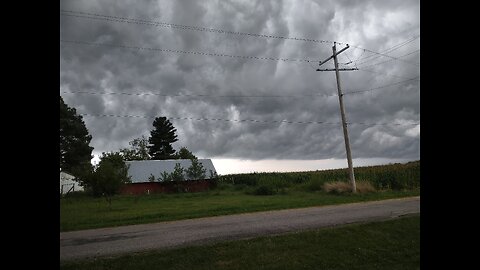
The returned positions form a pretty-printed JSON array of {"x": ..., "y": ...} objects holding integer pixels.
[
  {"x": 78, "y": 213},
  {"x": 393, "y": 244}
]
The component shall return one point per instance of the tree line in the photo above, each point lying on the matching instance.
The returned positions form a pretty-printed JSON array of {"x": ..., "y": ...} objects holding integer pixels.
[{"x": 111, "y": 172}]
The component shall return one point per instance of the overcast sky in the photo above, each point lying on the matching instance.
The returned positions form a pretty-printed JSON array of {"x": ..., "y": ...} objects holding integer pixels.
[{"x": 247, "y": 60}]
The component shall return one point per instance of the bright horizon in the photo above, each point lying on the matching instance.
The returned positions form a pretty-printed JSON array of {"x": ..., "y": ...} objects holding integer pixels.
[{"x": 226, "y": 166}]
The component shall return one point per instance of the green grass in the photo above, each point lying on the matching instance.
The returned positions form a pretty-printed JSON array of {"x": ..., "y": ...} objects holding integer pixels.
[
  {"x": 82, "y": 212},
  {"x": 393, "y": 244}
]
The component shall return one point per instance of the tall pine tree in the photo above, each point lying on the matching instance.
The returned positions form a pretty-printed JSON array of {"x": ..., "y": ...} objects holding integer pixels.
[
  {"x": 75, "y": 151},
  {"x": 161, "y": 139}
]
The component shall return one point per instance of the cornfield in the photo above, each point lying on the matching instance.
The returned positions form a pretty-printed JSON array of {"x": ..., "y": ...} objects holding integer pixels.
[{"x": 392, "y": 176}]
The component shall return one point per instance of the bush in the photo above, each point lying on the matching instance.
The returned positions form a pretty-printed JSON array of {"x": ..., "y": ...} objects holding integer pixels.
[
  {"x": 313, "y": 185},
  {"x": 364, "y": 187},
  {"x": 109, "y": 176},
  {"x": 341, "y": 187},
  {"x": 264, "y": 190},
  {"x": 337, "y": 187}
]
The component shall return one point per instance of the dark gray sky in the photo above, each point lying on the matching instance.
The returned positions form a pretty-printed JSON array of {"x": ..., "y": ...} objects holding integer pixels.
[{"x": 159, "y": 77}]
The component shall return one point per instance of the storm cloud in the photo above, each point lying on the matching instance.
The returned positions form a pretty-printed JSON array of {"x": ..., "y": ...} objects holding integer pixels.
[{"x": 144, "y": 59}]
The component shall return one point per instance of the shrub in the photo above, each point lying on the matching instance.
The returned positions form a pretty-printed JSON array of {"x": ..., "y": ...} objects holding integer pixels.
[
  {"x": 337, "y": 187},
  {"x": 341, "y": 187},
  {"x": 264, "y": 190},
  {"x": 196, "y": 170},
  {"x": 313, "y": 185},
  {"x": 364, "y": 187},
  {"x": 110, "y": 175}
]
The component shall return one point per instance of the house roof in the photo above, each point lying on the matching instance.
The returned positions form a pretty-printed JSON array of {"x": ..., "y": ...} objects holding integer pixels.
[{"x": 140, "y": 170}]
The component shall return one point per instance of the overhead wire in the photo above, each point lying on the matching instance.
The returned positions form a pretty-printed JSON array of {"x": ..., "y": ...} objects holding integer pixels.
[
  {"x": 78, "y": 42},
  {"x": 198, "y": 95},
  {"x": 387, "y": 61},
  {"x": 249, "y": 120},
  {"x": 179, "y": 26},
  {"x": 196, "y": 28},
  {"x": 242, "y": 96},
  {"x": 377, "y": 55},
  {"x": 88, "y": 15},
  {"x": 380, "y": 87}
]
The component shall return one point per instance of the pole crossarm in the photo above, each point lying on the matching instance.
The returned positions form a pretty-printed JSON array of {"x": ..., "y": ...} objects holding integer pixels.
[
  {"x": 340, "y": 69},
  {"x": 339, "y": 52}
]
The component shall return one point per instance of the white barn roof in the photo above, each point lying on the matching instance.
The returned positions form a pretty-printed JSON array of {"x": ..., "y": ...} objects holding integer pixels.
[{"x": 140, "y": 170}]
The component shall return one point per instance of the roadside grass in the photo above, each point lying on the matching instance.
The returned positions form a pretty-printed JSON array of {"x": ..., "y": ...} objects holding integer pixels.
[
  {"x": 83, "y": 212},
  {"x": 392, "y": 244}
]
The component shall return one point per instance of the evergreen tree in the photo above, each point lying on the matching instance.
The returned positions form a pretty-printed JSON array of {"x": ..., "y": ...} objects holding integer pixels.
[
  {"x": 161, "y": 139},
  {"x": 184, "y": 153}
]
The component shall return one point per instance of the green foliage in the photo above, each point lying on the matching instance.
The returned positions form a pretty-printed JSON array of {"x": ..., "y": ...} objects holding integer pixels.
[
  {"x": 184, "y": 153},
  {"x": 161, "y": 139},
  {"x": 109, "y": 176},
  {"x": 138, "y": 150},
  {"x": 75, "y": 152},
  {"x": 177, "y": 174},
  {"x": 151, "y": 178},
  {"x": 214, "y": 178},
  {"x": 165, "y": 177},
  {"x": 313, "y": 185},
  {"x": 264, "y": 190},
  {"x": 196, "y": 170}
]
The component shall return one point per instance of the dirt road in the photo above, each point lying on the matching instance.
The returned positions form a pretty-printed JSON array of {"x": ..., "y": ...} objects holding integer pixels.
[{"x": 127, "y": 239}]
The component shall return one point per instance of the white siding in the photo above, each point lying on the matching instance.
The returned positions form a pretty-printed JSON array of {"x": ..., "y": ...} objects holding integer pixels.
[
  {"x": 67, "y": 181},
  {"x": 140, "y": 170}
]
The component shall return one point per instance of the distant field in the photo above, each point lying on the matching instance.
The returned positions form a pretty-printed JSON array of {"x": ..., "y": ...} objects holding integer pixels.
[
  {"x": 393, "y": 244},
  {"x": 239, "y": 193}
]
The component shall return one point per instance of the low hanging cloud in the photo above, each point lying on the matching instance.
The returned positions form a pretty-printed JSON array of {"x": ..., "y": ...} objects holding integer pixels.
[{"x": 149, "y": 66}]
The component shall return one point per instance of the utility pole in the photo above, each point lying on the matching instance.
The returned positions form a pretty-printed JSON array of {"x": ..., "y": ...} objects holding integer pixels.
[{"x": 342, "y": 109}]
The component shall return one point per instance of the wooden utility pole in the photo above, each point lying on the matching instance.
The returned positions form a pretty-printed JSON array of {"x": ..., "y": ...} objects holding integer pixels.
[{"x": 342, "y": 110}]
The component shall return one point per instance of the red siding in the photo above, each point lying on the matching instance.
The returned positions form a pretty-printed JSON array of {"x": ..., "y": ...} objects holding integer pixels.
[{"x": 165, "y": 187}]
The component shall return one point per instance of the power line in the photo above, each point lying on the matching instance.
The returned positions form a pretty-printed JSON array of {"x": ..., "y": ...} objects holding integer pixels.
[
  {"x": 382, "y": 73},
  {"x": 240, "y": 96},
  {"x": 211, "y": 119},
  {"x": 204, "y": 29},
  {"x": 386, "y": 61},
  {"x": 247, "y": 120},
  {"x": 395, "y": 47},
  {"x": 87, "y": 15},
  {"x": 198, "y": 95},
  {"x": 388, "y": 50},
  {"x": 380, "y": 87},
  {"x": 184, "y": 52}
]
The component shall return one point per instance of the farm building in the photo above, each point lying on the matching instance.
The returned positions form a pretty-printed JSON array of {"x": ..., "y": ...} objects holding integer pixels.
[
  {"x": 141, "y": 172},
  {"x": 68, "y": 183}
]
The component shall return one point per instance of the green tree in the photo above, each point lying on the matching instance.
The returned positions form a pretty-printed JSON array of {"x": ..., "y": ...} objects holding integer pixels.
[
  {"x": 162, "y": 137},
  {"x": 75, "y": 151},
  {"x": 184, "y": 153},
  {"x": 196, "y": 170},
  {"x": 138, "y": 150},
  {"x": 177, "y": 177},
  {"x": 177, "y": 174},
  {"x": 110, "y": 174}
]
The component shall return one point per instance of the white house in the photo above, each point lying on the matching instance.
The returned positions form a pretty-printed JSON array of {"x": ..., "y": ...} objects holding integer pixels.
[
  {"x": 68, "y": 183},
  {"x": 141, "y": 170}
]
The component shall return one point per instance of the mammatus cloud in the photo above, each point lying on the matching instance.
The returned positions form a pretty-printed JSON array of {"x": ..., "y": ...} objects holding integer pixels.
[{"x": 178, "y": 72}]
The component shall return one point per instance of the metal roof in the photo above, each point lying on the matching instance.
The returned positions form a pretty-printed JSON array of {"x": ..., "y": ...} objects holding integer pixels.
[{"x": 140, "y": 170}]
